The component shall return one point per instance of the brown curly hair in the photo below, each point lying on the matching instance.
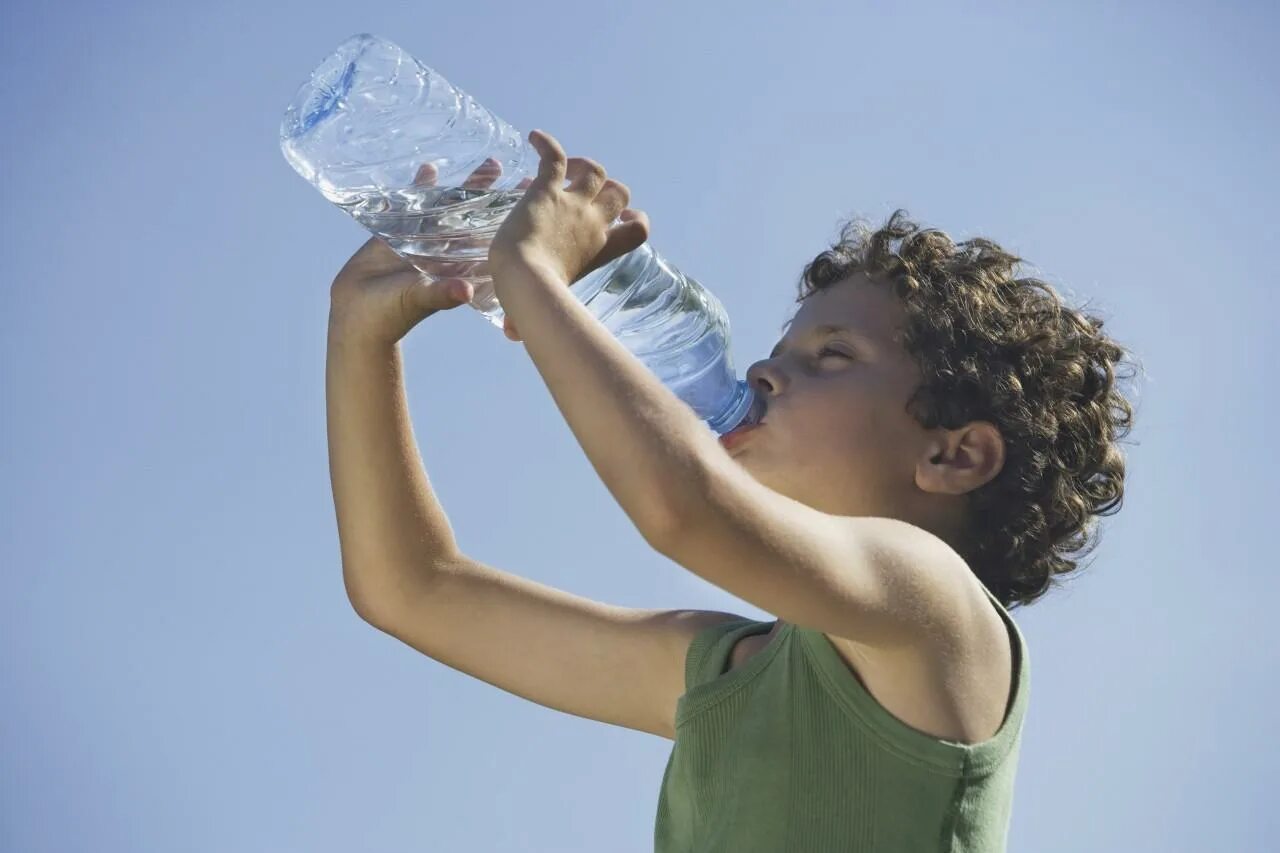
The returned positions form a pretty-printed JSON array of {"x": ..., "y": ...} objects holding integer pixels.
[{"x": 1005, "y": 350}]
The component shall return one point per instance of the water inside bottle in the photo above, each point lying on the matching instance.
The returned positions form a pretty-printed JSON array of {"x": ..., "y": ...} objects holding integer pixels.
[
  {"x": 660, "y": 314},
  {"x": 443, "y": 231}
]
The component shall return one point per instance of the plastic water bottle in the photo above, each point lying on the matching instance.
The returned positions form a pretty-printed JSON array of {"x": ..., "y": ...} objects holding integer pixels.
[{"x": 368, "y": 119}]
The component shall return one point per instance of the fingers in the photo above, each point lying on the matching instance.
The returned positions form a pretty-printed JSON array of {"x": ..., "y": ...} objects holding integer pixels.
[
  {"x": 551, "y": 168},
  {"x": 626, "y": 237},
  {"x": 482, "y": 178},
  {"x": 613, "y": 198},
  {"x": 427, "y": 174},
  {"x": 442, "y": 295},
  {"x": 584, "y": 176},
  {"x": 484, "y": 175},
  {"x": 632, "y": 215}
]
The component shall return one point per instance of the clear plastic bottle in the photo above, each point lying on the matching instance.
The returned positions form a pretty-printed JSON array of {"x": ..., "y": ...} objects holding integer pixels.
[{"x": 361, "y": 129}]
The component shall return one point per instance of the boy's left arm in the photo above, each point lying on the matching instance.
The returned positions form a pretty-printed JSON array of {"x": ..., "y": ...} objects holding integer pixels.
[
  {"x": 873, "y": 580},
  {"x": 644, "y": 442}
]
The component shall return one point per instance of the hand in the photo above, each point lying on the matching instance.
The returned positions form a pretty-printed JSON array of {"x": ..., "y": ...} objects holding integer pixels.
[
  {"x": 566, "y": 231},
  {"x": 378, "y": 296}
]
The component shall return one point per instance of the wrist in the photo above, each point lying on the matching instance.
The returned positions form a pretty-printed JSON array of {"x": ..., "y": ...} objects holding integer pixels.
[
  {"x": 345, "y": 336},
  {"x": 523, "y": 264}
]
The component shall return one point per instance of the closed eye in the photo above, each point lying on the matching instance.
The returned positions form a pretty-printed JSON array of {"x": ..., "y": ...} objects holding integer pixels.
[{"x": 826, "y": 350}]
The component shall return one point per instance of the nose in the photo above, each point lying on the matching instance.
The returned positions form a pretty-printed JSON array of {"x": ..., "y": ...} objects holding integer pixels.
[{"x": 765, "y": 378}]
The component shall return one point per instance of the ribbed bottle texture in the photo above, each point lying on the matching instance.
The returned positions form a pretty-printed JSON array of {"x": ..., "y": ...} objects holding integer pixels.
[{"x": 371, "y": 116}]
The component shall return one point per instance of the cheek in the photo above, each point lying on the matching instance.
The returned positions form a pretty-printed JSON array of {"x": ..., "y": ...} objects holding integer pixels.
[
  {"x": 851, "y": 425},
  {"x": 855, "y": 440},
  {"x": 822, "y": 447}
]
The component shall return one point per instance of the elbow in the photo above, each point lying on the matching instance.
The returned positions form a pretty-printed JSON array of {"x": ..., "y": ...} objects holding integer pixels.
[
  {"x": 661, "y": 533},
  {"x": 688, "y": 503}
]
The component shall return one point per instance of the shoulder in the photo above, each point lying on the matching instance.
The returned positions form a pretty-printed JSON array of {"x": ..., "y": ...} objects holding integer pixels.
[
  {"x": 953, "y": 682},
  {"x": 916, "y": 581}
]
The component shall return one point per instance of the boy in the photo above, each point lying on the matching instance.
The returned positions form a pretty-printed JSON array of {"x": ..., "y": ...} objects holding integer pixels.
[{"x": 936, "y": 437}]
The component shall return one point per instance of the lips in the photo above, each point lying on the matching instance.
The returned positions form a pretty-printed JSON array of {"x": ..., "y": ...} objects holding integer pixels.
[
  {"x": 750, "y": 423},
  {"x": 737, "y": 434},
  {"x": 732, "y": 438}
]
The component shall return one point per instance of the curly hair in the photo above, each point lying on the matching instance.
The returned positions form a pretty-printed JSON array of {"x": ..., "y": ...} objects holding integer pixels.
[{"x": 1005, "y": 350}]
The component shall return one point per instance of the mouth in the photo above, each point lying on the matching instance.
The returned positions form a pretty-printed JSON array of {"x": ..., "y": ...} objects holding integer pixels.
[
  {"x": 753, "y": 421},
  {"x": 735, "y": 436}
]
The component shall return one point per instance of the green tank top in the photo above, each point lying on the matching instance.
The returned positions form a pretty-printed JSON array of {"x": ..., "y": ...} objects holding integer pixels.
[{"x": 789, "y": 753}]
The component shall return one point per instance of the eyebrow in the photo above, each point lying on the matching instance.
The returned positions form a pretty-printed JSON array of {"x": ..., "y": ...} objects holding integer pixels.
[{"x": 823, "y": 331}]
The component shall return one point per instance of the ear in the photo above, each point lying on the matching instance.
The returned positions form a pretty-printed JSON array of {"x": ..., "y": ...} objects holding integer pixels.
[{"x": 960, "y": 460}]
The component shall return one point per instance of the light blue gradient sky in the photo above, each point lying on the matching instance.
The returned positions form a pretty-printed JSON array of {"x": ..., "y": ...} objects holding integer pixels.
[{"x": 181, "y": 668}]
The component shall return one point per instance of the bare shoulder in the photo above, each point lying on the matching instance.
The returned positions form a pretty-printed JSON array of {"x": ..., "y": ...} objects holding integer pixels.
[
  {"x": 953, "y": 683},
  {"x": 682, "y": 627}
]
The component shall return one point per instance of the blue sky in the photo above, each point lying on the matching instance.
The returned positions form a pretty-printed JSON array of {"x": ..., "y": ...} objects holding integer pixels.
[{"x": 181, "y": 667}]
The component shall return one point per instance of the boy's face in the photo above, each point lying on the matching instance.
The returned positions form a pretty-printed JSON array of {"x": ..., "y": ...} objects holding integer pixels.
[{"x": 836, "y": 433}]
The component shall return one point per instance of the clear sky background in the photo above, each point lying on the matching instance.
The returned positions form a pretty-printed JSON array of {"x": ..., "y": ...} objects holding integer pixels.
[{"x": 181, "y": 668}]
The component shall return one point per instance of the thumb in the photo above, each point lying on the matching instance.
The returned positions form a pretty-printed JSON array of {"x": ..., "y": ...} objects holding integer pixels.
[
  {"x": 624, "y": 238},
  {"x": 443, "y": 294}
]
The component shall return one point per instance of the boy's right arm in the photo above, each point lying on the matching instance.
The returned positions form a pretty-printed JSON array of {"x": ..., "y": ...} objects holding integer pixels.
[
  {"x": 391, "y": 528},
  {"x": 617, "y": 665},
  {"x": 405, "y": 575}
]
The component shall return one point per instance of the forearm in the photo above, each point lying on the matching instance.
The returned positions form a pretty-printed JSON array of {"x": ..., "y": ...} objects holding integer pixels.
[
  {"x": 391, "y": 529},
  {"x": 649, "y": 448}
]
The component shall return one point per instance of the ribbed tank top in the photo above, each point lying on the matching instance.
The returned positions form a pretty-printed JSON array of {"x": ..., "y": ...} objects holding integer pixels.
[{"x": 789, "y": 753}]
